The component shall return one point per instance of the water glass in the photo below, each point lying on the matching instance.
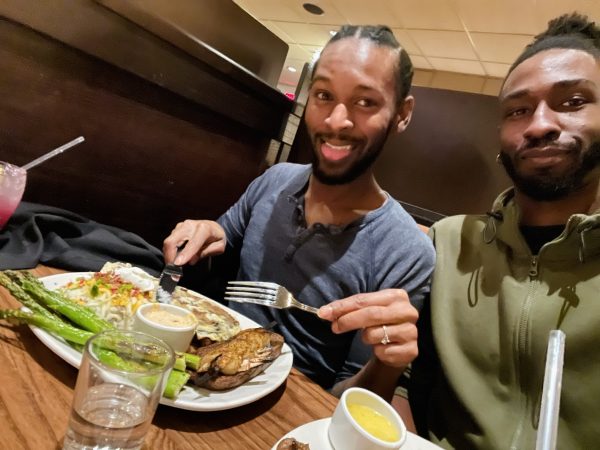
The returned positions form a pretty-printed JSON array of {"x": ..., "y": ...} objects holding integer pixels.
[
  {"x": 120, "y": 382},
  {"x": 12, "y": 185}
]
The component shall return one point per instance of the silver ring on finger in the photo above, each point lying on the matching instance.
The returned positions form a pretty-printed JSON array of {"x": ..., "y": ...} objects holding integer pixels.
[{"x": 386, "y": 338}]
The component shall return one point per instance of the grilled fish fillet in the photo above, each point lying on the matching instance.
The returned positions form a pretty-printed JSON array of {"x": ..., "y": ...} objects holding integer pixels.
[{"x": 228, "y": 364}]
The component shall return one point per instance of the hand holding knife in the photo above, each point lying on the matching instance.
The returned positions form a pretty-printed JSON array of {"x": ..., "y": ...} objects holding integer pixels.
[{"x": 169, "y": 278}]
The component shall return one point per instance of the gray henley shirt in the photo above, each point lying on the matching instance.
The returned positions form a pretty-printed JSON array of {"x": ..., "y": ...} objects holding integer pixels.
[{"x": 322, "y": 263}]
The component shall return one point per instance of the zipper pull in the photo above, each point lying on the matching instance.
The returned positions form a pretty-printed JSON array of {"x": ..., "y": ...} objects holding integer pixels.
[{"x": 533, "y": 269}]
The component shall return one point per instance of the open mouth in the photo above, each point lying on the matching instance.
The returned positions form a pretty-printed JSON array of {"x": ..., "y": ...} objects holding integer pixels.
[{"x": 333, "y": 152}]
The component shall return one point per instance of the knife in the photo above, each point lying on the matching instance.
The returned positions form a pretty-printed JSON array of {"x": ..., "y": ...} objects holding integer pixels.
[{"x": 169, "y": 278}]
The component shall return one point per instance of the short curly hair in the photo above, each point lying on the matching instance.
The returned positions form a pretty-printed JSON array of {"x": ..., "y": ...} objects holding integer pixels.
[
  {"x": 569, "y": 31},
  {"x": 383, "y": 36}
]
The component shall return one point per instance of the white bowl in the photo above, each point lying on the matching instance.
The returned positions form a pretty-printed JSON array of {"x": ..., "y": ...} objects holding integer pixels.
[
  {"x": 161, "y": 320},
  {"x": 345, "y": 433}
]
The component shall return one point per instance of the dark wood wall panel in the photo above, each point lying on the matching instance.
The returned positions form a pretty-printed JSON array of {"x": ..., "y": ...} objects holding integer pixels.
[
  {"x": 159, "y": 52},
  {"x": 446, "y": 159},
  {"x": 151, "y": 157},
  {"x": 262, "y": 55}
]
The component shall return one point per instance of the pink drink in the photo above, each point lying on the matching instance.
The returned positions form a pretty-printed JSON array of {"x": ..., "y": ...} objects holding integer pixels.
[{"x": 12, "y": 185}]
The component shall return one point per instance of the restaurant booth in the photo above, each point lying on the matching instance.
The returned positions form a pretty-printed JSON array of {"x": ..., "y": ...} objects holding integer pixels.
[{"x": 174, "y": 127}]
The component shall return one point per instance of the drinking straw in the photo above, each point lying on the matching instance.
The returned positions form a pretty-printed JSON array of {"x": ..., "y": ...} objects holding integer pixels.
[
  {"x": 548, "y": 425},
  {"x": 53, "y": 153}
]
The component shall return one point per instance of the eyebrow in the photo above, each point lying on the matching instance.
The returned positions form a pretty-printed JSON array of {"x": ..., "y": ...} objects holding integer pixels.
[
  {"x": 317, "y": 78},
  {"x": 559, "y": 84},
  {"x": 363, "y": 87}
]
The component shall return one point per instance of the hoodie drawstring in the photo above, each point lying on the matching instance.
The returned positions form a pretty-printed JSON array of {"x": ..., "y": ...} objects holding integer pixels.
[
  {"x": 489, "y": 232},
  {"x": 582, "y": 248}
]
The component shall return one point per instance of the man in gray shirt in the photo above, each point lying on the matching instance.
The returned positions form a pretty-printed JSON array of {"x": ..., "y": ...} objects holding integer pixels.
[{"x": 328, "y": 231}]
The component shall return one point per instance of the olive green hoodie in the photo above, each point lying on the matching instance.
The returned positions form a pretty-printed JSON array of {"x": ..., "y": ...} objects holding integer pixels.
[{"x": 493, "y": 305}]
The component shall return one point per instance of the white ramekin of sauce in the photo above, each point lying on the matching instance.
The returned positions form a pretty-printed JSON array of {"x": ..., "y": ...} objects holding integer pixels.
[
  {"x": 173, "y": 324},
  {"x": 364, "y": 420}
]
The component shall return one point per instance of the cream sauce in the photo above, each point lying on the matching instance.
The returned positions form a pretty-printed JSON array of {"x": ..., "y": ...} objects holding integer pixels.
[{"x": 163, "y": 317}]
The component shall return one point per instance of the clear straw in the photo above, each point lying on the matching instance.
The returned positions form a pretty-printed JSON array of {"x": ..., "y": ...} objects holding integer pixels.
[
  {"x": 53, "y": 153},
  {"x": 548, "y": 426}
]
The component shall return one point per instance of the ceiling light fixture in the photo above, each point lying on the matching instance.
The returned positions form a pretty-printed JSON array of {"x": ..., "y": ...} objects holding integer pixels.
[
  {"x": 313, "y": 9},
  {"x": 292, "y": 69}
]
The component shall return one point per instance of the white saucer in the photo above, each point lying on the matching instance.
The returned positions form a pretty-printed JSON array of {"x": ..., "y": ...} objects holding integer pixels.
[
  {"x": 311, "y": 433},
  {"x": 315, "y": 434}
]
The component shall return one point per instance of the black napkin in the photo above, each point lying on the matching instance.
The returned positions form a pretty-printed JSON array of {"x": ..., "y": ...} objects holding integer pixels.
[{"x": 40, "y": 234}]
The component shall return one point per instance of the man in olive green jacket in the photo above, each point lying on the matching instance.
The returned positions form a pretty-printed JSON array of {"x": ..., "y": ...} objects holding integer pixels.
[{"x": 504, "y": 280}]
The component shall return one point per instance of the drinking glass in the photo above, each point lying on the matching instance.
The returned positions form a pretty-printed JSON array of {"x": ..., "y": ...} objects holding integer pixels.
[
  {"x": 120, "y": 382},
  {"x": 12, "y": 185}
]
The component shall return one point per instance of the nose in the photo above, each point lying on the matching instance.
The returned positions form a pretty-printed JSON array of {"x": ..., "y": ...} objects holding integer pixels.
[
  {"x": 339, "y": 118},
  {"x": 544, "y": 124}
]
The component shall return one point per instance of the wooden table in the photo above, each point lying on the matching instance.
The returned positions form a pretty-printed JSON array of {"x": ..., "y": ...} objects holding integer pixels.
[{"x": 36, "y": 389}]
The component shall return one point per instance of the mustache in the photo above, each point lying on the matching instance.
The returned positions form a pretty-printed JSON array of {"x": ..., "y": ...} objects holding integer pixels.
[
  {"x": 532, "y": 143},
  {"x": 336, "y": 136}
]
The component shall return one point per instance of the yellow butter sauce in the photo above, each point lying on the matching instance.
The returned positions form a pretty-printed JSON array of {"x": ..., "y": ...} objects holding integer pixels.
[{"x": 374, "y": 423}]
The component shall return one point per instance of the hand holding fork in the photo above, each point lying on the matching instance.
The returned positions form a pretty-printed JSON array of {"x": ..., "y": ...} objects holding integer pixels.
[{"x": 386, "y": 320}]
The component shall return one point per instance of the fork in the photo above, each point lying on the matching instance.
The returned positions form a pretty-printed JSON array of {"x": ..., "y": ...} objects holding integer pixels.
[{"x": 264, "y": 293}]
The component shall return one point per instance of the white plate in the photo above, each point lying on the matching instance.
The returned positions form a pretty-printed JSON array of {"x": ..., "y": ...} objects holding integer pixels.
[
  {"x": 315, "y": 435},
  {"x": 191, "y": 398}
]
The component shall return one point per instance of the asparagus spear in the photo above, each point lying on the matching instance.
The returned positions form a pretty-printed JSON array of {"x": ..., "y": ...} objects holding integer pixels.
[
  {"x": 23, "y": 297},
  {"x": 80, "y": 315},
  {"x": 57, "y": 327},
  {"x": 191, "y": 361},
  {"x": 29, "y": 291},
  {"x": 125, "y": 361},
  {"x": 179, "y": 362},
  {"x": 34, "y": 290},
  {"x": 177, "y": 377},
  {"x": 175, "y": 383}
]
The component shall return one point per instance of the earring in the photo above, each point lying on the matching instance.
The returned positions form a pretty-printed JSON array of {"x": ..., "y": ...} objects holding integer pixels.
[{"x": 498, "y": 161}]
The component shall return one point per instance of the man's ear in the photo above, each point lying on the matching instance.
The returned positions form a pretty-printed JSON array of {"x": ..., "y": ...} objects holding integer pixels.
[{"x": 404, "y": 114}]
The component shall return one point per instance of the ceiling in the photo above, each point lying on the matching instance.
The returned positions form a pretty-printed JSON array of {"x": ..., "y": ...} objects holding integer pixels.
[{"x": 475, "y": 37}]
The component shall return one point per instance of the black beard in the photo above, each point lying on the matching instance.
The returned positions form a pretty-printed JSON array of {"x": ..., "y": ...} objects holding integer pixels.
[
  {"x": 545, "y": 187},
  {"x": 354, "y": 171}
]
